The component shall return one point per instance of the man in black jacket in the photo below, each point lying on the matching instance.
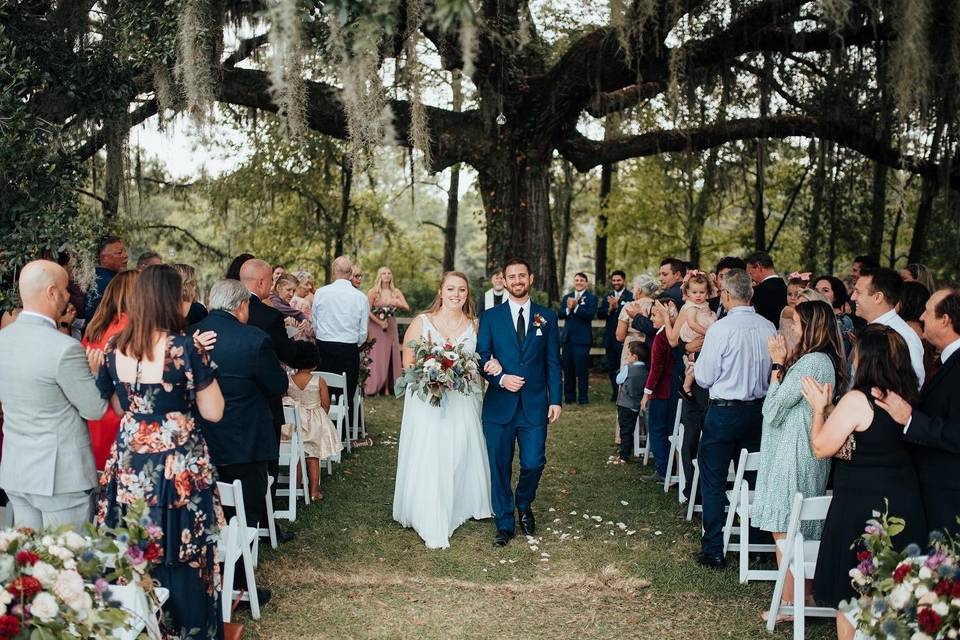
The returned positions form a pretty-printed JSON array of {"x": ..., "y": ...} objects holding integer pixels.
[
  {"x": 243, "y": 442},
  {"x": 934, "y": 425},
  {"x": 608, "y": 310},
  {"x": 769, "y": 289}
]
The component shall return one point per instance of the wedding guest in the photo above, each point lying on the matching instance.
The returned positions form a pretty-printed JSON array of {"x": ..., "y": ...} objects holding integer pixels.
[
  {"x": 577, "y": 308},
  {"x": 497, "y": 292},
  {"x": 356, "y": 276},
  {"x": 303, "y": 298},
  {"x": 873, "y": 470},
  {"x": 277, "y": 272},
  {"x": 695, "y": 317},
  {"x": 836, "y": 294},
  {"x": 340, "y": 315},
  {"x": 796, "y": 283},
  {"x": 233, "y": 271},
  {"x": 320, "y": 438},
  {"x": 912, "y": 304},
  {"x": 672, "y": 273},
  {"x": 108, "y": 321},
  {"x": 631, "y": 379},
  {"x": 725, "y": 264},
  {"x": 148, "y": 258},
  {"x": 877, "y": 293},
  {"x": 657, "y": 388},
  {"x": 159, "y": 380},
  {"x": 860, "y": 263},
  {"x": 932, "y": 426},
  {"x": 787, "y": 464},
  {"x": 256, "y": 275},
  {"x": 243, "y": 443},
  {"x": 644, "y": 289},
  {"x": 608, "y": 310},
  {"x": 769, "y": 289},
  {"x": 47, "y": 391},
  {"x": 296, "y": 323},
  {"x": 733, "y": 367},
  {"x": 191, "y": 292},
  {"x": 385, "y": 300},
  {"x": 112, "y": 256},
  {"x": 916, "y": 272}
]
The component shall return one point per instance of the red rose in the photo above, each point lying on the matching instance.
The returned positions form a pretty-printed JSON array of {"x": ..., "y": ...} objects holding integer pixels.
[
  {"x": 928, "y": 620},
  {"x": 446, "y": 363},
  {"x": 26, "y": 557},
  {"x": 24, "y": 587},
  {"x": 942, "y": 588},
  {"x": 864, "y": 555},
  {"x": 9, "y": 626},
  {"x": 901, "y": 572},
  {"x": 152, "y": 552},
  {"x": 955, "y": 590}
]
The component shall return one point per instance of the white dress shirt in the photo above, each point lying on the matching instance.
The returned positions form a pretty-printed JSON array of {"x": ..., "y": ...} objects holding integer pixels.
[
  {"x": 734, "y": 363},
  {"x": 895, "y": 322},
  {"x": 949, "y": 350},
  {"x": 340, "y": 313},
  {"x": 515, "y": 312}
]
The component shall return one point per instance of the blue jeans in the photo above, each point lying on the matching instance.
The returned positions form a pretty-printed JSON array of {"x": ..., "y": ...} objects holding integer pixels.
[
  {"x": 726, "y": 430},
  {"x": 658, "y": 430}
]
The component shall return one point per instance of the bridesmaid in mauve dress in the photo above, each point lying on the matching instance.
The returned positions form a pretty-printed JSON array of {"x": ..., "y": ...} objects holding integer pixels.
[{"x": 385, "y": 354}]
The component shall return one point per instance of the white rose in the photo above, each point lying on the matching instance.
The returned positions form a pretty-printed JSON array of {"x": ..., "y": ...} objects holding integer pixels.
[
  {"x": 941, "y": 608},
  {"x": 44, "y": 607},
  {"x": 45, "y": 573},
  {"x": 900, "y": 596},
  {"x": 921, "y": 591},
  {"x": 73, "y": 540},
  {"x": 5, "y": 597},
  {"x": 952, "y": 633},
  {"x": 7, "y": 536},
  {"x": 69, "y": 585},
  {"x": 46, "y": 540},
  {"x": 80, "y": 603},
  {"x": 955, "y": 603},
  {"x": 6, "y": 567},
  {"x": 925, "y": 573},
  {"x": 919, "y": 635}
]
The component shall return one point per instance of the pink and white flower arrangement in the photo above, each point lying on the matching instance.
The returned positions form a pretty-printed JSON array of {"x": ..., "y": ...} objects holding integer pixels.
[{"x": 439, "y": 368}]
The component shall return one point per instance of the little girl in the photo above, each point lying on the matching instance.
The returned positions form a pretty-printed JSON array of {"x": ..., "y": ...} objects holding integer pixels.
[
  {"x": 320, "y": 437},
  {"x": 694, "y": 318},
  {"x": 796, "y": 285}
]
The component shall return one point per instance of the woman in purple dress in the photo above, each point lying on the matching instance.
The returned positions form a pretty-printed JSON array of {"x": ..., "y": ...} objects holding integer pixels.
[{"x": 385, "y": 302}]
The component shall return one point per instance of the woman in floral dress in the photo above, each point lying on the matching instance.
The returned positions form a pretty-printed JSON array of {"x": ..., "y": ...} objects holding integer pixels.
[{"x": 158, "y": 379}]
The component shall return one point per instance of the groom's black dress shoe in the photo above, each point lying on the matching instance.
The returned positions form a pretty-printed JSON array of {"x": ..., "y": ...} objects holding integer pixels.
[
  {"x": 527, "y": 524},
  {"x": 502, "y": 538}
]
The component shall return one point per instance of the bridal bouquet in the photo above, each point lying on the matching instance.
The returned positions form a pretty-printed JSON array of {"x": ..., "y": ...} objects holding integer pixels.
[
  {"x": 906, "y": 594},
  {"x": 384, "y": 312},
  {"x": 439, "y": 368},
  {"x": 56, "y": 584}
]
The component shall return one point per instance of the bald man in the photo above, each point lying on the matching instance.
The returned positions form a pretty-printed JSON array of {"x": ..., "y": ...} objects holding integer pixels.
[
  {"x": 340, "y": 315},
  {"x": 47, "y": 390}
]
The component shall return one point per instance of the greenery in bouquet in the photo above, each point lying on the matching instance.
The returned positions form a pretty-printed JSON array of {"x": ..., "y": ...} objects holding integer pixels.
[
  {"x": 384, "y": 312},
  {"x": 438, "y": 369},
  {"x": 56, "y": 584},
  {"x": 365, "y": 360},
  {"x": 908, "y": 594}
]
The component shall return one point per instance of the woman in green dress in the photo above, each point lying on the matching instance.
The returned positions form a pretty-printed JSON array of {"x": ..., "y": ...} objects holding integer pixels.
[{"x": 787, "y": 463}]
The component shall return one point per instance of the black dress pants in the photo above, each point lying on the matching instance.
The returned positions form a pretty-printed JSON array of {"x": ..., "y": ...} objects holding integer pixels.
[{"x": 342, "y": 357}]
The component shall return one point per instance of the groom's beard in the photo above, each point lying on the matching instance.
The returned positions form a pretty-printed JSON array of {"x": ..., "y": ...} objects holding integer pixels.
[{"x": 519, "y": 291}]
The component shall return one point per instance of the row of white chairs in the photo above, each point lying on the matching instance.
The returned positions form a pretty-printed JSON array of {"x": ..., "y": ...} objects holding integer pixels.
[
  {"x": 240, "y": 541},
  {"x": 798, "y": 556}
]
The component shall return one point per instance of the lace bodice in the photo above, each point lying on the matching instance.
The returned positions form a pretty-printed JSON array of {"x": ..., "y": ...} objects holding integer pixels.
[{"x": 467, "y": 338}]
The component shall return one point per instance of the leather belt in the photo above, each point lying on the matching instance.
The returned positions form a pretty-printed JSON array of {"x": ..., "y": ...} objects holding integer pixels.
[{"x": 720, "y": 402}]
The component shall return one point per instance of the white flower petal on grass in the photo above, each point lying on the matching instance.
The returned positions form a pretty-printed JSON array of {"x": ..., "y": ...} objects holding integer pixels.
[
  {"x": 597, "y": 518},
  {"x": 551, "y": 509},
  {"x": 573, "y": 513},
  {"x": 658, "y": 533},
  {"x": 631, "y": 532},
  {"x": 621, "y": 526},
  {"x": 624, "y": 503}
]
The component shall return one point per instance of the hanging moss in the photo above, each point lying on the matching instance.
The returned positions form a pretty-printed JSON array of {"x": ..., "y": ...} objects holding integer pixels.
[
  {"x": 287, "y": 85},
  {"x": 199, "y": 43}
]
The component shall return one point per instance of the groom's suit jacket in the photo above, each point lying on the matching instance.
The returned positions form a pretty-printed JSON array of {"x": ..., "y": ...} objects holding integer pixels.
[{"x": 537, "y": 361}]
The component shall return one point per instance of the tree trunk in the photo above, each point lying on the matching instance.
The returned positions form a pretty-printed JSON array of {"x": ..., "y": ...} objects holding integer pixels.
[
  {"x": 346, "y": 185},
  {"x": 878, "y": 208},
  {"x": 759, "y": 216},
  {"x": 563, "y": 197},
  {"x": 516, "y": 199},
  {"x": 114, "y": 171},
  {"x": 453, "y": 194},
  {"x": 600, "y": 251},
  {"x": 832, "y": 249},
  {"x": 928, "y": 192},
  {"x": 812, "y": 240}
]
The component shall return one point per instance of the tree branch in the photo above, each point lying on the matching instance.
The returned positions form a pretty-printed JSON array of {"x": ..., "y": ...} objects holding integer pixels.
[
  {"x": 193, "y": 238},
  {"x": 586, "y": 154},
  {"x": 99, "y": 137},
  {"x": 246, "y": 49}
]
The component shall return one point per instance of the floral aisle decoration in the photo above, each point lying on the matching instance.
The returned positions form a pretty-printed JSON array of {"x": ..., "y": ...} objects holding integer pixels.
[
  {"x": 438, "y": 369},
  {"x": 57, "y": 584},
  {"x": 366, "y": 362},
  {"x": 908, "y": 594}
]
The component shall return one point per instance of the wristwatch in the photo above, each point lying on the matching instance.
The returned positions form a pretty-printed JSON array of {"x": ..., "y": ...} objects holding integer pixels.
[
  {"x": 64, "y": 325},
  {"x": 776, "y": 366}
]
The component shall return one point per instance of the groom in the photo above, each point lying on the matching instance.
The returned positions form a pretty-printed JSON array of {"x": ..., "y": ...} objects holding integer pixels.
[{"x": 523, "y": 396}]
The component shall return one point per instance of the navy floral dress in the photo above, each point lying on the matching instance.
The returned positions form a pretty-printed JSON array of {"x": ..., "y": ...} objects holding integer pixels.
[{"x": 160, "y": 456}]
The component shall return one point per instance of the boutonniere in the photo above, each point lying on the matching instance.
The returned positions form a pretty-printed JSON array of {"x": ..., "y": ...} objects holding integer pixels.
[{"x": 538, "y": 322}]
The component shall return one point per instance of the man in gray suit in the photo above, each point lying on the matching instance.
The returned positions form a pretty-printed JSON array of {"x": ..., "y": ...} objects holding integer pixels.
[{"x": 47, "y": 390}]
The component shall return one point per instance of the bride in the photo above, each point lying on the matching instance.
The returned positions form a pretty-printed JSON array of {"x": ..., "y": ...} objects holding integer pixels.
[{"x": 443, "y": 475}]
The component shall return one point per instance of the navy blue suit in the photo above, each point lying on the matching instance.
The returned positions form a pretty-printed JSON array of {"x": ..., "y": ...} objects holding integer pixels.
[
  {"x": 576, "y": 339},
  {"x": 613, "y": 347},
  {"x": 520, "y": 417}
]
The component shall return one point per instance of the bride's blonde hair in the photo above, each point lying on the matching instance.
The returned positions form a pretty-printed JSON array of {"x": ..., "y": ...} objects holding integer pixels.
[{"x": 468, "y": 306}]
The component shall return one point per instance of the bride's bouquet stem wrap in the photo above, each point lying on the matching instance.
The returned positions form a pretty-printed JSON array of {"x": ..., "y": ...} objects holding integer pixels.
[{"x": 438, "y": 369}]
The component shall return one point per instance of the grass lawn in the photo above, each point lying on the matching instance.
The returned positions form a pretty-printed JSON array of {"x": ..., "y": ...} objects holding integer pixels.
[{"x": 354, "y": 573}]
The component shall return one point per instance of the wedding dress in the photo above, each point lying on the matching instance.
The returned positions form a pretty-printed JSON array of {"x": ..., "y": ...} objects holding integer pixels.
[{"x": 443, "y": 474}]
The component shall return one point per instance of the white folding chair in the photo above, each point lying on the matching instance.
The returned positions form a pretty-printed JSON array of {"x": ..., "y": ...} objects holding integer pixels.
[
  {"x": 673, "y": 458},
  {"x": 237, "y": 542},
  {"x": 738, "y": 506},
  {"x": 359, "y": 421},
  {"x": 270, "y": 531},
  {"x": 637, "y": 450},
  {"x": 799, "y": 556},
  {"x": 292, "y": 456},
  {"x": 339, "y": 407}
]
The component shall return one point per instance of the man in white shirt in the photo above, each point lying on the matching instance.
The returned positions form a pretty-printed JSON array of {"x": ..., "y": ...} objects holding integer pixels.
[
  {"x": 877, "y": 293},
  {"x": 340, "y": 314}
]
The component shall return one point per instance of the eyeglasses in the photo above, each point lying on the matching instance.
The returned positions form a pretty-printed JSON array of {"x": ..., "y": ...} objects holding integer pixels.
[{"x": 358, "y": 276}]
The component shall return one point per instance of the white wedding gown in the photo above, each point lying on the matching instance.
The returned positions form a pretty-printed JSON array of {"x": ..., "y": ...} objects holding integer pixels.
[{"x": 443, "y": 474}]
